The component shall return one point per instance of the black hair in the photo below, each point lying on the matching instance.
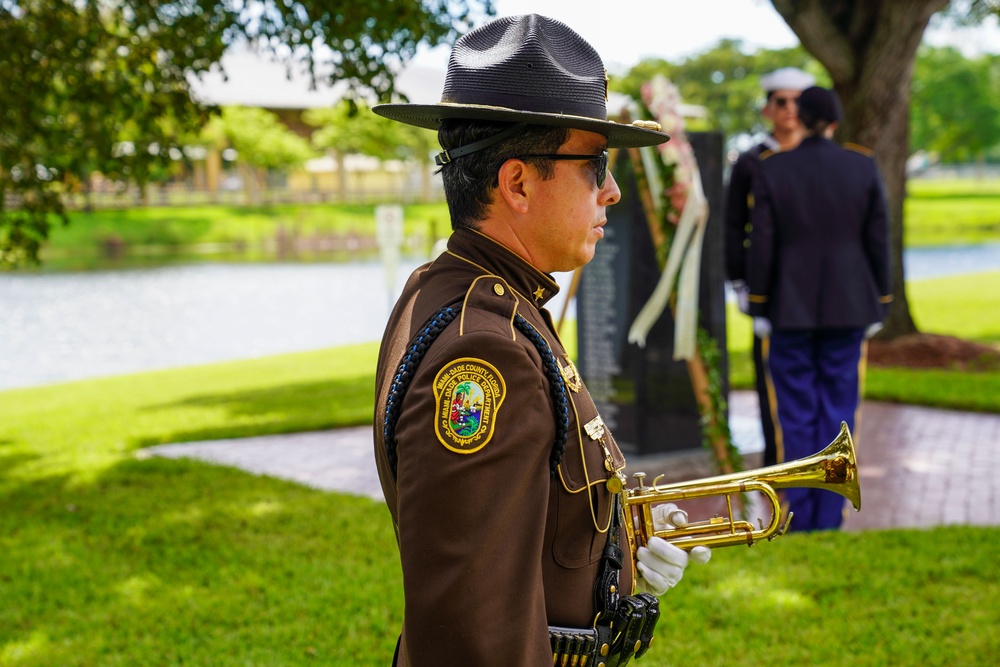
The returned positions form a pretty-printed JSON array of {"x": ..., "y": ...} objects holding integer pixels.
[{"x": 469, "y": 180}]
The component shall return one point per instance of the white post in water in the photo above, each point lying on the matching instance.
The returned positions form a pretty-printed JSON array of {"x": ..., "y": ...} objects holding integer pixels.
[{"x": 389, "y": 236}]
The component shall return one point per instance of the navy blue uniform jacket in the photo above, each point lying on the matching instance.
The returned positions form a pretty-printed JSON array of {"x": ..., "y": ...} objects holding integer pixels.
[
  {"x": 819, "y": 243},
  {"x": 737, "y": 228}
]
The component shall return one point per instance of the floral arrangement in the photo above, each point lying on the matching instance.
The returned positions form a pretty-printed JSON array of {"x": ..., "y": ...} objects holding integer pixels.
[
  {"x": 670, "y": 180},
  {"x": 663, "y": 101}
]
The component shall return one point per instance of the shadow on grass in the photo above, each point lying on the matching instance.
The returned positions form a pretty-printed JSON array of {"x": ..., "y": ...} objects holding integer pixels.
[
  {"x": 302, "y": 406},
  {"x": 177, "y": 562}
]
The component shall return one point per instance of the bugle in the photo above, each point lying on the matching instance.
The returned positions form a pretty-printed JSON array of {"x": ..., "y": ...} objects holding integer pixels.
[{"x": 835, "y": 469}]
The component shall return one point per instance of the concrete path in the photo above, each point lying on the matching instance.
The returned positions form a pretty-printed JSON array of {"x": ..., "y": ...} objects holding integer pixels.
[{"x": 919, "y": 467}]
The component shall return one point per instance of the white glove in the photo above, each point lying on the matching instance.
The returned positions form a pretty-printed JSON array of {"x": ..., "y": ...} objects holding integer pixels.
[
  {"x": 761, "y": 327},
  {"x": 873, "y": 329},
  {"x": 742, "y": 296},
  {"x": 660, "y": 564}
]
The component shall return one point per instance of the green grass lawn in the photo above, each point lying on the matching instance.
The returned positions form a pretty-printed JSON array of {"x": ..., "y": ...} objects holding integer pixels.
[
  {"x": 156, "y": 229},
  {"x": 112, "y": 559},
  {"x": 938, "y": 212},
  {"x": 952, "y": 212},
  {"x": 965, "y": 306}
]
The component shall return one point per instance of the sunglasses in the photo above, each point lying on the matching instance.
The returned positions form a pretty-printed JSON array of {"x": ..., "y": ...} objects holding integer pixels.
[
  {"x": 782, "y": 102},
  {"x": 599, "y": 162}
]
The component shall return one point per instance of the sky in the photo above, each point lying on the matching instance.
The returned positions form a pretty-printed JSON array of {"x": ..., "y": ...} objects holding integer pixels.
[{"x": 626, "y": 31}]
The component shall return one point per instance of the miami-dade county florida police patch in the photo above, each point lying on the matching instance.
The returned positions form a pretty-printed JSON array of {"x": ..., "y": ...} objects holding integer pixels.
[{"x": 468, "y": 393}]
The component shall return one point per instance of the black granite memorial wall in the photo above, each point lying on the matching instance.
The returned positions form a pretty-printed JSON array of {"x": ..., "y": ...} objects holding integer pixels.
[{"x": 643, "y": 394}]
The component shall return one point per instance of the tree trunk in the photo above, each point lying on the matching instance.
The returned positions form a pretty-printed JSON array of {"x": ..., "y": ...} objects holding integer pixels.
[{"x": 868, "y": 48}]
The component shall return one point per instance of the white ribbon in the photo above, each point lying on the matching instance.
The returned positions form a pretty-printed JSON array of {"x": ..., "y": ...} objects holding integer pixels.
[{"x": 684, "y": 259}]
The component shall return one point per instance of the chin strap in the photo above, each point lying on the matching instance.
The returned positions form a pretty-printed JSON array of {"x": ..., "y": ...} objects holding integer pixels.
[{"x": 446, "y": 156}]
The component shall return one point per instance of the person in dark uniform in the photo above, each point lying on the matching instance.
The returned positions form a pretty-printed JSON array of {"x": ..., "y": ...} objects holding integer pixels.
[
  {"x": 819, "y": 271},
  {"x": 502, "y": 480},
  {"x": 782, "y": 88}
]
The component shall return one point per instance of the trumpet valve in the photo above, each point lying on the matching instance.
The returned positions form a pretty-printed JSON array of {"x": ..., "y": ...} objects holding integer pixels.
[
  {"x": 784, "y": 528},
  {"x": 640, "y": 476}
]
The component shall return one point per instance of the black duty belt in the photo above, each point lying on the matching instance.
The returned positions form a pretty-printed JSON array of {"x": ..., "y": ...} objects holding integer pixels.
[{"x": 624, "y": 625}]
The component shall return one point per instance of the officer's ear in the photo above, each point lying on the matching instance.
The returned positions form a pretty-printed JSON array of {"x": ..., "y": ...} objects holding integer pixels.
[{"x": 513, "y": 184}]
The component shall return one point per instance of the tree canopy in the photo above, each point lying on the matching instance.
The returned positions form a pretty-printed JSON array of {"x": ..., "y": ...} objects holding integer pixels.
[
  {"x": 725, "y": 79},
  {"x": 867, "y": 51},
  {"x": 954, "y": 111},
  {"x": 82, "y": 77}
]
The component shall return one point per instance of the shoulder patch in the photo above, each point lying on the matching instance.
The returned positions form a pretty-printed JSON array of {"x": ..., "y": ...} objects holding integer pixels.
[
  {"x": 858, "y": 148},
  {"x": 468, "y": 393}
]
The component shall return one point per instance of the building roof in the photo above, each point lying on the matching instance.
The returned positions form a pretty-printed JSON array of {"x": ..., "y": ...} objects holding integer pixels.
[{"x": 253, "y": 79}]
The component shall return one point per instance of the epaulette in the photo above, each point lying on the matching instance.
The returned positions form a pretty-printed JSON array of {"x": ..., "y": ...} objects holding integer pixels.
[
  {"x": 765, "y": 154},
  {"x": 492, "y": 294},
  {"x": 858, "y": 148}
]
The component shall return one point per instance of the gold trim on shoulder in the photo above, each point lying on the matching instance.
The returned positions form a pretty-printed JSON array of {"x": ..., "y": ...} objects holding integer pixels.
[
  {"x": 858, "y": 148},
  {"x": 570, "y": 374}
]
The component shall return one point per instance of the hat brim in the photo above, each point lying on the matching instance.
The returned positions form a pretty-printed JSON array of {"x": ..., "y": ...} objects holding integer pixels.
[{"x": 429, "y": 116}]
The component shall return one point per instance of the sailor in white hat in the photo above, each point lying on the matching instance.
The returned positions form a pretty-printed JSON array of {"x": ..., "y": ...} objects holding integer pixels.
[
  {"x": 782, "y": 87},
  {"x": 787, "y": 78}
]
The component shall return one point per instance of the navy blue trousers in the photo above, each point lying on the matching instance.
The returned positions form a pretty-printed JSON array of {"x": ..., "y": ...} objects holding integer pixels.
[{"x": 816, "y": 382}]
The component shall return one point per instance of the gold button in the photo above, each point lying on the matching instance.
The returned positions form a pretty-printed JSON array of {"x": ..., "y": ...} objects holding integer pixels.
[
  {"x": 638, "y": 643},
  {"x": 748, "y": 228},
  {"x": 498, "y": 288},
  {"x": 614, "y": 484},
  {"x": 746, "y": 244},
  {"x": 604, "y": 649}
]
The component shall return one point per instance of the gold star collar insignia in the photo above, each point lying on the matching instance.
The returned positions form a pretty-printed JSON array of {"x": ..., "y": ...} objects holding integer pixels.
[{"x": 539, "y": 293}]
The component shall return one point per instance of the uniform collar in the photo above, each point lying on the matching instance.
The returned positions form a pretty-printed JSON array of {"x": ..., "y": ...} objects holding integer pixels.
[{"x": 536, "y": 287}]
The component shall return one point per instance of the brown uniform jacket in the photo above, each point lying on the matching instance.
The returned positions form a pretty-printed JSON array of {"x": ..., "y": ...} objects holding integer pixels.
[{"x": 493, "y": 548}]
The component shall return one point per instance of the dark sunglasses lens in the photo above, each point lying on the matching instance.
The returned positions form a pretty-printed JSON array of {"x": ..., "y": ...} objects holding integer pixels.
[
  {"x": 783, "y": 102},
  {"x": 601, "y": 164}
]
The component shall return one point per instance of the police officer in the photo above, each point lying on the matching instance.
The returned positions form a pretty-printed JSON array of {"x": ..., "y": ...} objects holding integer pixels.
[
  {"x": 500, "y": 476},
  {"x": 782, "y": 88},
  {"x": 819, "y": 286}
]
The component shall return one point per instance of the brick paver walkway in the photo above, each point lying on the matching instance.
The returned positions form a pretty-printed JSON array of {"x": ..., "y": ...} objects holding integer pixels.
[{"x": 919, "y": 467}]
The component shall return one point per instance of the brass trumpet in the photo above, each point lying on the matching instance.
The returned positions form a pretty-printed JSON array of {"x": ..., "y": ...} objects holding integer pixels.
[{"x": 835, "y": 468}]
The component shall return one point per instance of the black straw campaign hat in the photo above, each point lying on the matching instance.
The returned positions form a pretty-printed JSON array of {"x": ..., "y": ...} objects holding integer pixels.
[{"x": 527, "y": 69}]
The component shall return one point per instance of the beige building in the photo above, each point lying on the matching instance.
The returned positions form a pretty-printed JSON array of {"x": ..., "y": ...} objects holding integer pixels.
[{"x": 255, "y": 80}]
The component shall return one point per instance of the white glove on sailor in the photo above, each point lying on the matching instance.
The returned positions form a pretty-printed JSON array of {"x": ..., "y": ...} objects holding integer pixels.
[
  {"x": 742, "y": 291},
  {"x": 761, "y": 327},
  {"x": 660, "y": 564},
  {"x": 873, "y": 329}
]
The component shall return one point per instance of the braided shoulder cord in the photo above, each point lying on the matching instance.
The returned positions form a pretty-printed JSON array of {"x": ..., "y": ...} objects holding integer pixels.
[
  {"x": 557, "y": 386},
  {"x": 407, "y": 369},
  {"x": 418, "y": 347}
]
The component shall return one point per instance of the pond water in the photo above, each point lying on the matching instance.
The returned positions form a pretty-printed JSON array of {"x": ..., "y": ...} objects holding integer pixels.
[
  {"x": 71, "y": 325},
  {"x": 65, "y": 326}
]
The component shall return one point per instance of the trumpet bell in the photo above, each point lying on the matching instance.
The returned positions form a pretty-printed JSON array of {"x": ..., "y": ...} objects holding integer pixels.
[{"x": 835, "y": 469}]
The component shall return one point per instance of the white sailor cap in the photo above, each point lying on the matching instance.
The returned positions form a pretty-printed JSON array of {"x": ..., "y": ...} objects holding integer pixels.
[{"x": 787, "y": 78}]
